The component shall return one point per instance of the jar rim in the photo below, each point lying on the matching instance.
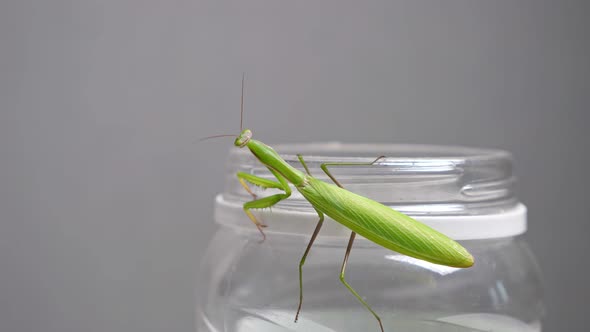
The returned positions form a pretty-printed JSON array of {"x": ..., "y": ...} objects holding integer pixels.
[
  {"x": 464, "y": 192},
  {"x": 392, "y": 152},
  {"x": 508, "y": 223},
  {"x": 412, "y": 178}
]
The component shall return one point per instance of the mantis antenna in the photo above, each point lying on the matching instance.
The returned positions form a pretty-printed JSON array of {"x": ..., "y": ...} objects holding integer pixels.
[
  {"x": 242, "y": 103},
  {"x": 241, "y": 116}
]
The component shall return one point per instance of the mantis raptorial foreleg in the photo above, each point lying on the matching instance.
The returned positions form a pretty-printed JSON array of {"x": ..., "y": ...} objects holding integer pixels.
[
  {"x": 351, "y": 239},
  {"x": 258, "y": 181},
  {"x": 265, "y": 202}
]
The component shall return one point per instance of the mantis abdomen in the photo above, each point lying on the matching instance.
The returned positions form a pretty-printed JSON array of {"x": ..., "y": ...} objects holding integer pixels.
[{"x": 383, "y": 225}]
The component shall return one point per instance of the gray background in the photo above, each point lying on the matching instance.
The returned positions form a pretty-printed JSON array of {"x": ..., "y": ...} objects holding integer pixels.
[{"x": 106, "y": 202}]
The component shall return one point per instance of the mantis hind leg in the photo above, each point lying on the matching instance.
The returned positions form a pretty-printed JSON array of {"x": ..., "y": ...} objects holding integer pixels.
[
  {"x": 343, "y": 280},
  {"x": 351, "y": 240}
]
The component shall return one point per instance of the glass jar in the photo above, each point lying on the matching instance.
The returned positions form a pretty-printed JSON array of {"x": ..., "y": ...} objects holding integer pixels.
[{"x": 248, "y": 285}]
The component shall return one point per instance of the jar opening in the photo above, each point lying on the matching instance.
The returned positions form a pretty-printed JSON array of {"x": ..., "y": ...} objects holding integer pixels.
[{"x": 413, "y": 179}]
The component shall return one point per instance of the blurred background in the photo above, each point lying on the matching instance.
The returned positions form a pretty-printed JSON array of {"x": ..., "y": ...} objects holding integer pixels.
[{"x": 106, "y": 200}]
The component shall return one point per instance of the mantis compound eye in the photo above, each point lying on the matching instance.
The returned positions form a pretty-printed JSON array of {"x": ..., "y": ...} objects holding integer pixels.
[{"x": 243, "y": 139}]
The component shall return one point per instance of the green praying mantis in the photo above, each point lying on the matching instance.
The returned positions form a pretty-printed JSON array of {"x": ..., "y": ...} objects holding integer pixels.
[{"x": 363, "y": 216}]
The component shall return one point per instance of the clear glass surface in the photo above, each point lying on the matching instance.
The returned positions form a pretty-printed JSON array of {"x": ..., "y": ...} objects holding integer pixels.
[
  {"x": 246, "y": 285},
  {"x": 251, "y": 286}
]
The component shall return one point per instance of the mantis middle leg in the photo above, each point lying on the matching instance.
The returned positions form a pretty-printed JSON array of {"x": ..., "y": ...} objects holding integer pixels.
[
  {"x": 313, "y": 237},
  {"x": 351, "y": 240}
]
